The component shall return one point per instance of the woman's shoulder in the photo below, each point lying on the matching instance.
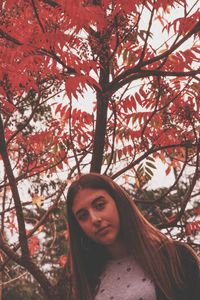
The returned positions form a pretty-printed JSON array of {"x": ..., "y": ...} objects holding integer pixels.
[
  {"x": 184, "y": 253},
  {"x": 181, "y": 247},
  {"x": 189, "y": 261},
  {"x": 189, "y": 268}
]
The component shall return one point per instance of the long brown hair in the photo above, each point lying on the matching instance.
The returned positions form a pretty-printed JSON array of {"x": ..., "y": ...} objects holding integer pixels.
[{"x": 141, "y": 239}]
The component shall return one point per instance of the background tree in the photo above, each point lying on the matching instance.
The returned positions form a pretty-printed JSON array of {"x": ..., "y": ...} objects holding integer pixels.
[{"x": 112, "y": 91}]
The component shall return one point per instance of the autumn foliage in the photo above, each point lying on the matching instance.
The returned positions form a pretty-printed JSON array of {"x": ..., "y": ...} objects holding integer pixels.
[{"x": 95, "y": 85}]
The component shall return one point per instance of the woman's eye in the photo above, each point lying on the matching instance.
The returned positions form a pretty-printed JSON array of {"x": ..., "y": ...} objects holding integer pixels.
[
  {"x": 83, "y": 217},
  {"x": 100, "y": 205}
]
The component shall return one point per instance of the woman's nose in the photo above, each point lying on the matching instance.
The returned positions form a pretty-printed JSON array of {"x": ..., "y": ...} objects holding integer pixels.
[{"x": 95, "y": 218}]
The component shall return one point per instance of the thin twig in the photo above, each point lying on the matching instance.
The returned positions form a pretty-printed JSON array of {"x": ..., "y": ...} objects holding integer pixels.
[
  {"x": 154, "y": 149},
  {"x": 71, "y": 138},
  {"x": 114, "y": 135},
  {"x": 147, "y": 35},
  {"x": 37, "y": 16},
  {"x": 123, "y": 76},
  {"x": 13, "y": 279},
  {"x": 186, "y": 198}
]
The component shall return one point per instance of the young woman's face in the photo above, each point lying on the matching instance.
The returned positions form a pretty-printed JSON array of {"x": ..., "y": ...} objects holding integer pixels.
[{"x": 96, "y": 212}]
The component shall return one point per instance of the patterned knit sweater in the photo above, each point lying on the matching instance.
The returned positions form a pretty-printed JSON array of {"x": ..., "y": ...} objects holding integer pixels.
[{"x": 124, "y": 279}]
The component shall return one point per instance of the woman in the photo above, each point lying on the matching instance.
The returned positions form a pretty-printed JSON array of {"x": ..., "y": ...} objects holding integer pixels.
[{"x": 117, "y": 254}]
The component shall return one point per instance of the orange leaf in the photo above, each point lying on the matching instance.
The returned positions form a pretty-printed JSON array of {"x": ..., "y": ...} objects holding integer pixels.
[
  {"x": 197, "y": 211},
  {"x": 192, "y": 227},
  {"x": 33, "y": 244},
  {"x": 62, "y": 260},
  {"x": 168, "y": 170}
]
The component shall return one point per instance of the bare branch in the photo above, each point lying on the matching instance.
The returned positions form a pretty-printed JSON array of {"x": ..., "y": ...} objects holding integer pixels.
[
  {"x": 37, "y": 16},
  {"x": 8, "y": 37},
  {"x": 123, "y": 76},
  {"x": 186, "y": 198},
  {"x": 147, "y": 35},
  {"x": 114, "y": 134},
  {"x": 15, "y": 193},
  {"x": 71, "y": 138},
  {"x": 13, "y": 279},
  {"x": 113, "y": 86},
  {"x": 154, "y": 149},
  {"x": 52, "y": 3}
]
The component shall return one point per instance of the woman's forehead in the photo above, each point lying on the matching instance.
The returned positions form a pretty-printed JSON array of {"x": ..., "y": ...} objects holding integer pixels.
[{"x": 86, "y": 196}]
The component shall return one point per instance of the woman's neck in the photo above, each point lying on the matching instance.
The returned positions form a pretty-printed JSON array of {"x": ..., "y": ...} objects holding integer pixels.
[{"x": 117, "y": 250}]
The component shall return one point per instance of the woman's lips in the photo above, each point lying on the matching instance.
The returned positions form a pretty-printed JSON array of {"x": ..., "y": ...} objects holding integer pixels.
[{"x": 103, "y": 230}]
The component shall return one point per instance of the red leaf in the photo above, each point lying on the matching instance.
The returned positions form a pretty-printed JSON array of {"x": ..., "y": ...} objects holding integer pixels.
[
  {"x": 168, "y": 170},
  {"x": 33, "y": 244},
  {"x": 137, "y": 96},
  {"x": 62, "y": 260},
  {"x": 197, "y": 211},
  {"x": 7, "y": 106},
  {"x": 58, "y": 108},
  {"x": 192, "y": 227}
]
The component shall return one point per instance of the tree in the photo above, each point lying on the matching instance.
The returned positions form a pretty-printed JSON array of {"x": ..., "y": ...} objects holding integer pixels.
[{"x": 143, "y": 104}]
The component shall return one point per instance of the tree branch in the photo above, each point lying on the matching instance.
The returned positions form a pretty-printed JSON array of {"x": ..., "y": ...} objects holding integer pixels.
[
  {"x": 114, "y": 86},
  {"x": 15, "y": 193},
  {"x": 41, "y": 51},
  {"x": 101, "y": 124},
  {"x": 57, "y": 58},
  {"x": 37, "y": 15},
  {"x": 147, "y": 35},
  {"x": 8, "y": 37},
  {"x": 52, "y": 3},
  {"x": 114, "y": 135},
  {"x": 8, "y": 251},
  {"x": 185, "y": 200},
  {"x": 152, "y": 114},
  {"x": 71, "y": 138},
  {"x": 138, "y": 67},
  {"x": 153, "y": 150}
]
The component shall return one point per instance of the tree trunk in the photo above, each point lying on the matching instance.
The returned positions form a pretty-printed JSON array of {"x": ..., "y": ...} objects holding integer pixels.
[
  {"x": 101, "y": 122},
  {"x": 100, "y": 132}
]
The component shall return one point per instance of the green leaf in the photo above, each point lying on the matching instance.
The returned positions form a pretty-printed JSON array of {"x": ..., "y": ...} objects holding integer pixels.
[
  {"x": 140, "y": 168},
  {"x": 151, "y": 165},
  {"x": 149, "y": 171},
  {"x": 150, "y": 158}
]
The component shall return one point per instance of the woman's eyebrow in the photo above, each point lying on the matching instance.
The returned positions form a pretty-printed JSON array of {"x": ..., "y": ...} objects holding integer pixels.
[
  {"x": 93, "y": 202},
  {"x": 97, "y": 198}
]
